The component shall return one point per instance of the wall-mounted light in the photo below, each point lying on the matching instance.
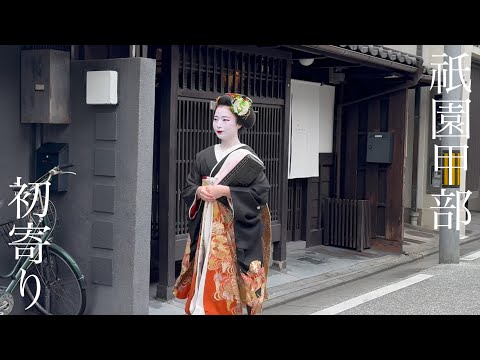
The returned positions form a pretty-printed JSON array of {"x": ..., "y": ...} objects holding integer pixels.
[{"x": 306, "y": 62}]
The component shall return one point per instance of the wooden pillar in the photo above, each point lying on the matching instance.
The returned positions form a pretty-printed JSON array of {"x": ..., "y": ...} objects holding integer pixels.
[
  {"x": 395, "y": 174},
  {"x": 351, "y": 151},
  {"x": 337, "y": 141},
  {"x": 371, "y": 183},
  {"x": 280, "y": 247},
  {"x": 312, "y": 232},
  {"x": 167, "y": 96}
]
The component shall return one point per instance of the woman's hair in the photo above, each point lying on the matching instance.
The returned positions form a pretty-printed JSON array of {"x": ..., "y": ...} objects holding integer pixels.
[{"x": 248, "y": 120}]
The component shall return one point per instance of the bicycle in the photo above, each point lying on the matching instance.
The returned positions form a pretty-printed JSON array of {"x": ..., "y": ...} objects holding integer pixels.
[{"x": 62, "y": 284}]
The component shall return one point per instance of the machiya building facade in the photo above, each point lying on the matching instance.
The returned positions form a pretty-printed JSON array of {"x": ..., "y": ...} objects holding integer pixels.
[
  {"x": 336, "y": 127},
  {"x": 421, "y": 180}
]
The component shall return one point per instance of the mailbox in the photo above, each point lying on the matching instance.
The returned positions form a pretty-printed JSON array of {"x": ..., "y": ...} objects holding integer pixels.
[
  {"x": 380, "y": 147},
  {"x": 48, "y": 156}
]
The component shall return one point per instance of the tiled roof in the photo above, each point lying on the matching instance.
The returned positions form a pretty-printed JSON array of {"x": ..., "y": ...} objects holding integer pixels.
[
  {"x": 427, "y": 71},
  {"x": 386, "y": 53},
  {"x": 391, "y": 54},
  {"x": 374, "y": 54}
]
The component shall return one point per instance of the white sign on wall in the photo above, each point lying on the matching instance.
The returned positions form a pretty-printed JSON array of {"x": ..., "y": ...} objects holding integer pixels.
[{"x": 311, "y": 126}]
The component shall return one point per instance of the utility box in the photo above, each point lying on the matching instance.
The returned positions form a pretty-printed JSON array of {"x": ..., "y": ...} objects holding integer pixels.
[
  {"x": 48, "y": 156},
  {"x": 45, "y": 87},
  {"x": 102, "y": 88},
  {"x": 380, "y": 147}
]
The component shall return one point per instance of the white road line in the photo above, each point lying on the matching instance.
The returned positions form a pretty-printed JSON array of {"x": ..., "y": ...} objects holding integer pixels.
[
  {"x": 472, "y": 256},
  {"x": 332, "y": 310}
]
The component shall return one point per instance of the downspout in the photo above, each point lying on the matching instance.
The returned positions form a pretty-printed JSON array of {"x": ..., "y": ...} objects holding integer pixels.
[{"x": 416, "y": 125}]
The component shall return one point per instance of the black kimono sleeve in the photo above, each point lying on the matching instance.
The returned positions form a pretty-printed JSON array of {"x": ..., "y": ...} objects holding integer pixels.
[
  {"x": 247, "y": 202},
  {"x": 194, "y": 204}
]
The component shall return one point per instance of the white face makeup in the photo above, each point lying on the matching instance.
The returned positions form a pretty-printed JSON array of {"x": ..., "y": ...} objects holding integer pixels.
[{"x": 225, "y": 123}]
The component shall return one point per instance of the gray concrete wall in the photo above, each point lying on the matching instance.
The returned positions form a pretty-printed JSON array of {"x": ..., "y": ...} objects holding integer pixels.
[
  {"x": 105, "y": 215},
  {"x": 15, "y": 150}
]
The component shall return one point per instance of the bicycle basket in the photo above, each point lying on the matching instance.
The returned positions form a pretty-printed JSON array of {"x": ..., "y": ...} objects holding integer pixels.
[
  {"x": 5, "y": 230},
  {"x": 51, "y": 214}
]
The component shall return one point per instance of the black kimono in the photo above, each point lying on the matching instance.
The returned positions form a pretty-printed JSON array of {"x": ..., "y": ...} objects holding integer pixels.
[{"x": 237, "y": 249}]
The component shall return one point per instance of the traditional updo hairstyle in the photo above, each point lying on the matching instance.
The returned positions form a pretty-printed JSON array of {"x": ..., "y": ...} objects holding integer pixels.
[{"x": 235, "y": 102}]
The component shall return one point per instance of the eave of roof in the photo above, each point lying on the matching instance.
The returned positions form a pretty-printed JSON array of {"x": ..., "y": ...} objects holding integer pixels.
[{"x": 369, "y": 55}]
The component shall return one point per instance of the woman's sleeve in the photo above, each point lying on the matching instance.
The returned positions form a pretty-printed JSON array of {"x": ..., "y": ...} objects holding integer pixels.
[
  {"x": 247, "y": 202},
  {"x": 194, "y": 180}
]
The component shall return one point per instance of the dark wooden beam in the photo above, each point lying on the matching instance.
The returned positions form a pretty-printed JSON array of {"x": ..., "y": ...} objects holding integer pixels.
[
  {"x": 337, "y": 141},
  {"x": 351, "y": 150},
  {"x": 198, "y": 94},
  {"x": 371, "y": 183},
  {"x": 280, "y": 248},
  {"x": 394, "y": 210},
  {"x": 311, "y": 199},
  {"x": 168, "y": 99}
]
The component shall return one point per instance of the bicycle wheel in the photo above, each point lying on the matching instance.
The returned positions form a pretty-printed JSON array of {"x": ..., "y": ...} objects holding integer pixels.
[{"x": 61, "y": 291}]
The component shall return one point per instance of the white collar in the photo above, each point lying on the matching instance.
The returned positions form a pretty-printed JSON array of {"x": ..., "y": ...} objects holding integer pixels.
[{"x": 220, "y": 154}]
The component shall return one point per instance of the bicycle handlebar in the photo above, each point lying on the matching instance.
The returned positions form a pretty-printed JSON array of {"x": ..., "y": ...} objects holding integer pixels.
[
  {"x": 52, "y": 172},
  {"x": 65, "y": 166},
  {"x": 56, "y": 171}
]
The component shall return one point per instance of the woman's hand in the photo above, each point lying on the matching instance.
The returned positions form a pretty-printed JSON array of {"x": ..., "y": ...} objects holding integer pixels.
[
  {"x": 204, "y": 193},
  {"x": 218, "y": 191},
  {"x": 213, "y": 192}
]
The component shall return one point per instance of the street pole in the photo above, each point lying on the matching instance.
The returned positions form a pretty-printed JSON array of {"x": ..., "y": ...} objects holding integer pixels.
[{"x": 449, "y": 241}]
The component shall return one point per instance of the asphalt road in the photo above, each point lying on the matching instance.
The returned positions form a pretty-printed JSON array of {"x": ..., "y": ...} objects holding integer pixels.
[{"x": 423, "y": 287}]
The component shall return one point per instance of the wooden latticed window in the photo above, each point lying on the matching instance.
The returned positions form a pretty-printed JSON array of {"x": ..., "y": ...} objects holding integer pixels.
[
  {"x": 212, "y": 69},
  {"x": 206, "y": 72},
  {"x": 194, "y": 133}
]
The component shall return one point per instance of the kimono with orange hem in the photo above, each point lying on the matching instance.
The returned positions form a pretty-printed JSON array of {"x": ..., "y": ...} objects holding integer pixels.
[{"x": 225, "y": 265}]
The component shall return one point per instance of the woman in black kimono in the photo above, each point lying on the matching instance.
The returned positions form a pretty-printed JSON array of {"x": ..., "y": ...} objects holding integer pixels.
[{"x": 225, "y": 266}]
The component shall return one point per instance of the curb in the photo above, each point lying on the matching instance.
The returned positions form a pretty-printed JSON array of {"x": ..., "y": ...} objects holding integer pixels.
[{"x": 315, "y": 284}]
